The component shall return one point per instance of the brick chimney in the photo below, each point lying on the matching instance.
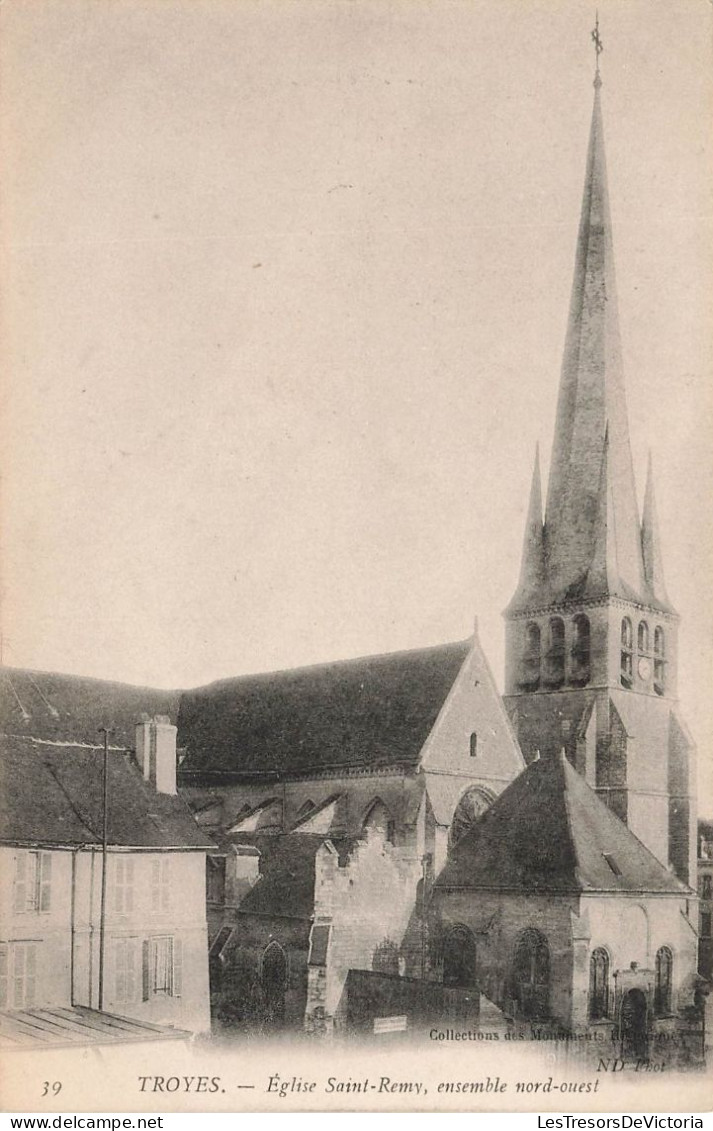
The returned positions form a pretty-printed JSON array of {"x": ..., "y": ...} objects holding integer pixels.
[{"x": 156, "y": 752}]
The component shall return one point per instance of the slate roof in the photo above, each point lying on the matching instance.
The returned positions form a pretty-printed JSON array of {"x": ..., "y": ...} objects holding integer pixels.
[
  {"x": 371, "y": 712},
  {"x": 549, "y": 832},
  {"x": 72, "y": 708},
  {"x": 52, "y": 795}
]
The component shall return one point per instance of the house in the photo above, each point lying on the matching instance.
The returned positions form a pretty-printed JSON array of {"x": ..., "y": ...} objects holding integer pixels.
[{"x": 113, "y": 923}]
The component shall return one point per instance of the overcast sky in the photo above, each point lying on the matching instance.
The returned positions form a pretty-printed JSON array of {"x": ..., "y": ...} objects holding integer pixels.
[{"x": 286, "y": 292}]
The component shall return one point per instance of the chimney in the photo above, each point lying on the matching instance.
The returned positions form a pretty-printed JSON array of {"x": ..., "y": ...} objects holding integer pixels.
[{"x": 156, "y": 752}]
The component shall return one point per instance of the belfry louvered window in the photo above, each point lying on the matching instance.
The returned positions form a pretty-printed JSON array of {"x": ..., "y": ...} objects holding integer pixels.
[
  {"x": 555, "y": 669},
  {"x": 531, "y": 658},
  {"x": 659, "y": 660},
  {"x": 627, "y": 653},
  {"x": 581, "y": 650}
]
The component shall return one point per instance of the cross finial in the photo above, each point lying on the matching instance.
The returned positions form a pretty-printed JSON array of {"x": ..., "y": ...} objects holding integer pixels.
[{"x": 598, "y": 48}]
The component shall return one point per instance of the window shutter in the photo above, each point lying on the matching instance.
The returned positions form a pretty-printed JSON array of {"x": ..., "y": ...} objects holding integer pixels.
[
  {"x": 20, "y": 893},
  {"x": 45, "y": 881},
  {"x": 30, "y": 974},
  {"x": 129, "y": 873},
  {"x": 3, "y": 976},
  {"x": 177, "y": 967},
  {"x": 145, "y": 969}
]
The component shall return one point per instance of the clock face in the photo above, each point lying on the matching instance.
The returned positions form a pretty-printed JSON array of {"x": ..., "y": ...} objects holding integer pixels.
[{"x": 644, "y": 668}]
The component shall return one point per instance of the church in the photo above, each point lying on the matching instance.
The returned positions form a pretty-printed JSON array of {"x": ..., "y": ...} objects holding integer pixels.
[{"x": 396, "y": 841}]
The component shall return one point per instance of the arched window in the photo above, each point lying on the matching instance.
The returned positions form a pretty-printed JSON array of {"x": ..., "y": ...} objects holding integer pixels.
[
  {"x": 643, "y": 637},
  {"x": 531, "y": 658},
  {"x": 659, "y": 660},
  {"x": 273, "y": 978},
  {"x": 555, "y": 653},
  {"x": 459, "y": 958},
  {"x": 531, "y": 975},
  {"x": 581, "y": 649},
  {"x": 664, "y": 981},
  {"x": 472, "y": 804},
  {"x": 474, "y": 745},
  {"x": 627, "y": 653},
  {"x": 378, "y": 821},
  {"x": 599, "y": 984},
  {"x": 385, "y": 959}
]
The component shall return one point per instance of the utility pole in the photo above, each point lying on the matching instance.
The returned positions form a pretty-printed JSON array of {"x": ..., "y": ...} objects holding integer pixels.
[{"x": 105, "y": 837}]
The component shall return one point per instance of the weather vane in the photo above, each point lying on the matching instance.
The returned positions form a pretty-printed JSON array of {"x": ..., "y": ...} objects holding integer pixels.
[{"x": 598, "y": 48}]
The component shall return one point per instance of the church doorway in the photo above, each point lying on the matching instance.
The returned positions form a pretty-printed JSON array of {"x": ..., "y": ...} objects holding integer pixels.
[
  {"x": 531, "y": 976},
  {"x": 274, "y": 982},
  {"x": 634, "y": 1043},
  {"x": 459, "y": 958}
]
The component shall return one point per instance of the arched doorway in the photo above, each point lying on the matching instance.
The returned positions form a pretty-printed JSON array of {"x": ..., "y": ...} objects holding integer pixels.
[
  {"x": 531, "y": 975},
  {"x": 273, "y": 977},
  {"x": 459, "y": 958},
  {"x": 634, "y": 1042}
]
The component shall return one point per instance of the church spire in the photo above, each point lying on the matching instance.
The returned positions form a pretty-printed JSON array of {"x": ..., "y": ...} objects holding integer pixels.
[
  {"x": 532, "y": 570},
  {"x": 592, "y": 404},
  {"x": 650, "y": 543},
  {"x": 603, "y": 574}
]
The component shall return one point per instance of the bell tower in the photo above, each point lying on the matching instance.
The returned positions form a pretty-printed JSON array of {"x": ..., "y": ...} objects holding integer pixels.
[{"x": 591, "y": 637}]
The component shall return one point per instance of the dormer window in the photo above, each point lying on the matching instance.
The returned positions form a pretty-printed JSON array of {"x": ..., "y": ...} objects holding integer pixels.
[
  {"x": 581, "y": 650},
  {"x": 554, "y": 676},
  {"x": 531, "y": 658},
  {"x": 659, "y": 660},
  {"x": 627, "y": 653}
]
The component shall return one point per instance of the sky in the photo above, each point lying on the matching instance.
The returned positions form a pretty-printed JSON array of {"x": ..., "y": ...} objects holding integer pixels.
[{"x": 286, "y": 294}]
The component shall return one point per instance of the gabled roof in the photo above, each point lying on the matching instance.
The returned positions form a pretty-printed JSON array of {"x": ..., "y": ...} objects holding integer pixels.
[
  {"x": 72, "y": 708},
  {"x": 365, "y": 713},
  {"x": 52, "y": 794},
  {"x": 549, "y": 832}
]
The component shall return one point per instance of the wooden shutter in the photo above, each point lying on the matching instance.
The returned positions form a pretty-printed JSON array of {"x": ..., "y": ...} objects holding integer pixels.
[
  {"x": 20, "y": 890},
  {"x": 45, "y": 880}
]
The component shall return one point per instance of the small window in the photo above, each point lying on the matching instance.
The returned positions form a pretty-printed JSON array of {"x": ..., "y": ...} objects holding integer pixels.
[
  {"x": 161, "y": 883},
  {"x": 126, "y": 970},
  {"x": 705, "y": 924},
  {"x": 18, "y": 975},
  {"x": 474, "y": 745},
  {"x": 706, "y": 887},
  {"x": 599, "y": 985},
  {"x": 215, "y": 879},
  {"x": 123, "y": 884},
  {"x": 32, "y": 890},
  {"x": 385, "y": 959},
  {"x": 664, "y": 981}
]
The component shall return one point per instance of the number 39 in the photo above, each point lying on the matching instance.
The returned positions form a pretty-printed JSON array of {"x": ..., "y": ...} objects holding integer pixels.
[{"x": 55, "y": 1087}]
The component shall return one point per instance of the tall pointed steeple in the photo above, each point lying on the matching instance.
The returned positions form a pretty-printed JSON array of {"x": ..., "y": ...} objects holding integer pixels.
[
  {"x": 591, "y": 401},
  {"x": 603, "y": 573},
  {"x": 650, "y": 542},
  {"x": 532, "y": 570}
]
